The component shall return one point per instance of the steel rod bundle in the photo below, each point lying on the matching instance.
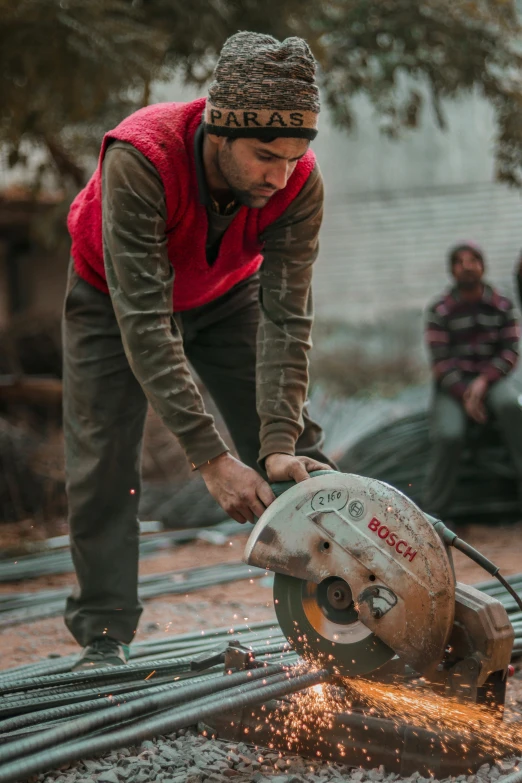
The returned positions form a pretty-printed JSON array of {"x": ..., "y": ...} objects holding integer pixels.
[
  {"x": 388, "y": 439},
  {"x": 59, "y": 561},
  {"x": 20, "y": 608},
  {"x": 49, "y": 716},
  {"x": 243, "y": 691}
]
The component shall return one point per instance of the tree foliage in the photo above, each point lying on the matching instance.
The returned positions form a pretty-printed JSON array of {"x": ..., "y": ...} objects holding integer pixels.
[
  {"x": 71, "y": 68},
  {"x": 450, "y": 47}
]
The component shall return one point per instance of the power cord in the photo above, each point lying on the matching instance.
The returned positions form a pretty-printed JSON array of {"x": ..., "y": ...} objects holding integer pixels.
[{"x": 452, "y": 539}]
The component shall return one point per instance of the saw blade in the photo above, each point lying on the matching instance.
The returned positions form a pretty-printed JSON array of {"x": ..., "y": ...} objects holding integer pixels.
[{"x": 321, "y": 624}]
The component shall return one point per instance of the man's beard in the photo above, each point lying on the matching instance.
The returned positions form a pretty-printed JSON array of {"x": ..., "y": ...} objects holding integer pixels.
[
  {"x": 469, "y": 285},
  {"x": 248, "y": 199},
  {"x": 242, "y": 196}
]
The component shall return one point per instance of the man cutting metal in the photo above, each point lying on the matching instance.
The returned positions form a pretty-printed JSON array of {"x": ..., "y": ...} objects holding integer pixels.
[{"x": 193, "y": 241}]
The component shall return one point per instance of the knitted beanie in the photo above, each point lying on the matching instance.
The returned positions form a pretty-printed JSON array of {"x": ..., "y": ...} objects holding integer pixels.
[
  {"x": 466, "y": 245},
  {"x": 263, "y": 88}
]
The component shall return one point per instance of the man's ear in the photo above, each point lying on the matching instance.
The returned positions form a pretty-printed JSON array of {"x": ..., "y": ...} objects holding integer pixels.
[
  {"x": 217, "y": 141},
  {"x": 212, "y": 137}
]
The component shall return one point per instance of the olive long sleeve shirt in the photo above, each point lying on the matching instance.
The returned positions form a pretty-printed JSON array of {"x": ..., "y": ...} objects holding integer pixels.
[{"x": 140, "y": 278}]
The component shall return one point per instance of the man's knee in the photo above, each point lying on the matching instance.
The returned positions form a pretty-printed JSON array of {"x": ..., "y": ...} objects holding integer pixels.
[{"x": 504, "y": 400}]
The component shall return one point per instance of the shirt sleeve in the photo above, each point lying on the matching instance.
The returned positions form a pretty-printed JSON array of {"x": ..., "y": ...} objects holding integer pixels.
[
  {"x": 506, "y": 358},
  {"x": 444, "y": 366},
  {"x": 140, "y": 279},
  {"x": 290, "y": 249}
]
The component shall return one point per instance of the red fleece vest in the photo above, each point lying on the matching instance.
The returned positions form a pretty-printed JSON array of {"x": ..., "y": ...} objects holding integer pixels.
[{"x": 164, "y": 133}]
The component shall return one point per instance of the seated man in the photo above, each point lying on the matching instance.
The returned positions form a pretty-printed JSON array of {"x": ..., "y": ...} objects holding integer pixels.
[{"x": 472, "y": 335}]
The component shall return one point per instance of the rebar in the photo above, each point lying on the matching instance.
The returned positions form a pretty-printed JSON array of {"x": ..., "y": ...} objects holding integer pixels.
[
  {"x": 165, "y": 723},
  {"x": 115, "y": 714}
]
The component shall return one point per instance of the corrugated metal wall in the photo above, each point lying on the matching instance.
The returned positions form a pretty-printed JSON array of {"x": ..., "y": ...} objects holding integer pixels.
[{"x": 386, "y": 252}]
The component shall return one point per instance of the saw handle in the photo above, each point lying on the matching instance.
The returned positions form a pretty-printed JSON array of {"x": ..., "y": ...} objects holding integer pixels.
[{"x": 281, "y": 486}]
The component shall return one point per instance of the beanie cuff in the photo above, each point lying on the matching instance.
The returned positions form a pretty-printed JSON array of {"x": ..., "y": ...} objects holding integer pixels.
[
  {"x": 471, "y": 246},
  {"x": 260, "y": 123}
]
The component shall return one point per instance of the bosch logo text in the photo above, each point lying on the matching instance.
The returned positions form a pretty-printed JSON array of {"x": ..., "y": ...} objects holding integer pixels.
[{"x": 392, "y": 539}]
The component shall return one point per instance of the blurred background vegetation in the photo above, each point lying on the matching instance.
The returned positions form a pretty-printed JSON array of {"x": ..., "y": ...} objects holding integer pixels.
[{"x": 70, "y": 69}]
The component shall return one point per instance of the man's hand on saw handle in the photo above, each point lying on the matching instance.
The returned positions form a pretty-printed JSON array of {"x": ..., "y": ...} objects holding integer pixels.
[
  {"x": 242, "y": 492},
  {"x": 238, "y": 489},
  {"x": 284, "y": 467}
]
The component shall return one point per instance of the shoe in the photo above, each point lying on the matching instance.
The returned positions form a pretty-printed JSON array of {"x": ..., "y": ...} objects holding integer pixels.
[{"x": 102, "y": 652}]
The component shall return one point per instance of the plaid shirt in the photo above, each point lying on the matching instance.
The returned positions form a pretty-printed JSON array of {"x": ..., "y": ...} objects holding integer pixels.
[{"x": 467, "y": 339}]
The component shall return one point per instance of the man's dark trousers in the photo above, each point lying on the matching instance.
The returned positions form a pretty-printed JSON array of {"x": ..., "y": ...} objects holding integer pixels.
[
  {"x": 104, "y": 413},
  {"x": 449, "y": 425}
]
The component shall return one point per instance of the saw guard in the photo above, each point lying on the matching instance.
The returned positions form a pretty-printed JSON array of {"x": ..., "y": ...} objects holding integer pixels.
[{"x": 376, "y": 539}]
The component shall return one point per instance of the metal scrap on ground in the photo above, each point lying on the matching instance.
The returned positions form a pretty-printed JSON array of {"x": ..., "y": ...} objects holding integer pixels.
[{"x": 50, "y": 716}]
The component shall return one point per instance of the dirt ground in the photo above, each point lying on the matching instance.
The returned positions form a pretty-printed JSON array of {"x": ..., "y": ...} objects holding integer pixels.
[{"x": 223, "y": 605}]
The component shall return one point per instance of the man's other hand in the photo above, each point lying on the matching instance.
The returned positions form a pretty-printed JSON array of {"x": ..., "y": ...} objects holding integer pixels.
[
  {"x": 474, "y": 399},
  {"x": 241, "y": 492},
  {"x": 284, "y": 467}
]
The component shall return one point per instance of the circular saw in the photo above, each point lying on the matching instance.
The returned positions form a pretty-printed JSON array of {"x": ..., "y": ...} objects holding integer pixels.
[{"x": 361, "y": 575}]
